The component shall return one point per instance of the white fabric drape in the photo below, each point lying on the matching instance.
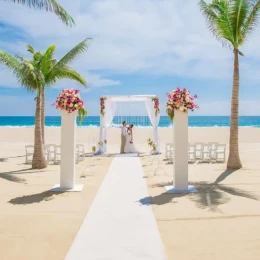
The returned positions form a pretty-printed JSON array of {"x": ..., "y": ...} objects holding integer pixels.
[
  {"x": 105, "y": 122},
  {"x": 109, "y": 115},
  {"x": 154, "y": 121}
]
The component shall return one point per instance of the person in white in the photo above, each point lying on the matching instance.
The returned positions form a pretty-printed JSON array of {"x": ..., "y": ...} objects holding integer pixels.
[
  {"x": 129, "y": 145},
  {"x": 123, "y": 137}
]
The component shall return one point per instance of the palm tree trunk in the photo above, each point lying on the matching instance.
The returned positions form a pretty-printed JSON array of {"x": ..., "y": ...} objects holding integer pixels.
[
  {"x": 43, "y": 114},
  {"x": 233, "y": 159},
  {"x": 39, "y": 160}
]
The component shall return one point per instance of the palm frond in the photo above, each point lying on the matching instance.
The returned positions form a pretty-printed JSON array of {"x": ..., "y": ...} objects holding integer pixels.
[
  {"x": 32, "y": 78},
  {"x": 49, "y": 5},
  {"x": 30, "y": 48},
  {"x": 47, "y": 60},
  {"x": 73, "y": 53},
  {"x": 9, "y": 61},
  {"x": 65, "y": 73},
  {"x": 240, "y": 10},
  {"x": 219, "y": 20},
  {"x": 251, "y": 22}
]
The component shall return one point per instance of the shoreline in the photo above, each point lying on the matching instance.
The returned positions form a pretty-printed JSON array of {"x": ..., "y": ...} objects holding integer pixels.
[
  {"x": 90, "y": 136},
  {"x": 139, "y": 127}
]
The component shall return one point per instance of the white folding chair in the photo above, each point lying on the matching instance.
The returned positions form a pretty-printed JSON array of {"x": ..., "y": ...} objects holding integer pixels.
[
  {"x": 80, "y": 152},
  {"x": 50, "y": 152},
  {"x": 29, "y": 154},
  {"x": 213, "y": 148},
  {"x": 191, "y": 153},
  {"x": 168, "y": 150},
  {"x": 206, "y": 153},
  {"x": 57, "y": 154},
  {"x": 221, "y": 153},
  {"x": 198, "y": 150}
]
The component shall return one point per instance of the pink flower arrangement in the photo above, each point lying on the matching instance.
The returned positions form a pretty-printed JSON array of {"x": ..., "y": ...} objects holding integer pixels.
[
  {"x": 102, "y": 105},
  {"x": 70, "y": 100},
  {"x": 180, "y": 99},
  {"x": 156, "y": 105}
]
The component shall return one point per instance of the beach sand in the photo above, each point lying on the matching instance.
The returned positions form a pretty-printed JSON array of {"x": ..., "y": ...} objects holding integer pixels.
[{"x": 221, "y": 221}]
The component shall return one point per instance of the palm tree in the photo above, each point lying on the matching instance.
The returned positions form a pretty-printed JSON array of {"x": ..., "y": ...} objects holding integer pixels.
[
  {"x": 231, "y": 22},
  {"x": 48, "y": 5},
  {"x": 54, "y": 70},
  {"x": 30, "y": 77}
]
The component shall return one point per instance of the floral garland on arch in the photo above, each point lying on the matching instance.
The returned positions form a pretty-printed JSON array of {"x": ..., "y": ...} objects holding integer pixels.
[
  {"x": 70, "y": 100},
  {"x": 180, "y": 99},
  {"x": 156, "y": 105},
  {"x": 102, "y": 105}
]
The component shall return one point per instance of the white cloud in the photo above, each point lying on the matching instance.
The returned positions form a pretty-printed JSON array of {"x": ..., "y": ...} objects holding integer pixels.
[
  {"x": 223, "y": 108},
  {"x": 158, "y": 37}
]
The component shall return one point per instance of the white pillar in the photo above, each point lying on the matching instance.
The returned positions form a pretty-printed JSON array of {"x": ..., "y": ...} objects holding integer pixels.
[
  {"x": 180, "y": 162},
  {"x": 68, "y": 148},
  {"x": 68, "y": 153},
  {"x": 180, "y": 140}
]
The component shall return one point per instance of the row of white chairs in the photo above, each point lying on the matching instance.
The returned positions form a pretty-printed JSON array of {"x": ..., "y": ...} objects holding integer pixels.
[
  {"x": 53, "y": 153},
  {"x": 205, "y": 152}
]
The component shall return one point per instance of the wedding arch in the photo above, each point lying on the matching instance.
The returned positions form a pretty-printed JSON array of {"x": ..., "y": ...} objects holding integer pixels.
[{"x": 108, "y": 107}]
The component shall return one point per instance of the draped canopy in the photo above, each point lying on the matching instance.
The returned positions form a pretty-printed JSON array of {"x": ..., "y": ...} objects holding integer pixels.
[{"x": 108, "y": 110}]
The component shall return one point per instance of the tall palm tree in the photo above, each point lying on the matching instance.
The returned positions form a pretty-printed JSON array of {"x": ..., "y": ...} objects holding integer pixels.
[
  {"x": 29, "y": 76},
  {"x": 48, "y": 5},
  {"x": 231, "y": 22},
  {"x": 54, "y": 70}
]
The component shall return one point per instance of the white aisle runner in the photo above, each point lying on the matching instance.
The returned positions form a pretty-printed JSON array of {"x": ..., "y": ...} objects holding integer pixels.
[{"x": 117, "y": 226}]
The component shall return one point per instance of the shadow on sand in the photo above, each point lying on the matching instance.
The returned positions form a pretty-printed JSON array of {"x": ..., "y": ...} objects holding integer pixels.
[
  {"x": 10, "y": 176},
  {"x": 34, "y": 198},
  {"x": 210, "y": 195}
]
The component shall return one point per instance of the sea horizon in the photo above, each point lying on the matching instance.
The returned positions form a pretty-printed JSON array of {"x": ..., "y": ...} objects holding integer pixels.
[{"x": 138, "y": 121}]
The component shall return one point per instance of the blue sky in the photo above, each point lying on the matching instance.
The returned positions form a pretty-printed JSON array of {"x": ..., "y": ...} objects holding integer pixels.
[{"x": 138, "y": 47}]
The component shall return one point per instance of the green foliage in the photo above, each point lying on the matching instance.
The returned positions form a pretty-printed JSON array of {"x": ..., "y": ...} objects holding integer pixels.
[
  {"x": 171, "y": 114},
  {"x": 49, "y": 5},
  {"x": 231, "y": 21},
  {"x": 67, "y": 59},
  {"x": 81, "y": 113},
  {"x": 43, "y": 70},
  {"x": 26, "y": 73}
]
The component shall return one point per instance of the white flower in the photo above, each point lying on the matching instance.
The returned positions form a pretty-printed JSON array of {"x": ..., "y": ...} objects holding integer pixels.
[
  {"x": 71, "y": 105},
  {"x": 187, "y": 99},
  {"x": 182, "y": 108},
  {"x": 76, "y": 105}
]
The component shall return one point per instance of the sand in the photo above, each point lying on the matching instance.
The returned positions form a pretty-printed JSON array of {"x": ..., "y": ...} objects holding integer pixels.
[{"x": 221, "y": 221}]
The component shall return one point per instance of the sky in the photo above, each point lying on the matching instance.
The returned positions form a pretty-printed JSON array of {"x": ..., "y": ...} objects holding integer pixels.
[{"x": 138, "y": 47}]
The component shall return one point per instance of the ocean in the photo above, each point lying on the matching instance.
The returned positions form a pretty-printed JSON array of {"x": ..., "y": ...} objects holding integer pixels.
[{"x": 138, "y": 121}]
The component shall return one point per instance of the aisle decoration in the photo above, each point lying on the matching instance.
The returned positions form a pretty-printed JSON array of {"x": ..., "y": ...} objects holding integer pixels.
[
  {"x": 94, "y": 149},
  {"x": 100, "y": 143},
  {"x": 70, "y": 100},
  {"x": 152, "y": 144},
  {"x": 156, "y": 105},
  {"x": 180, "y": 99},
  {"x": 102, "y": 105}
]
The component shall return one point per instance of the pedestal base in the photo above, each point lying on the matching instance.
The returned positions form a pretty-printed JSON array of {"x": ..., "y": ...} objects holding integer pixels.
[
  {"x": 171, "y": 189},
  {"x": 57, "y": 188}
]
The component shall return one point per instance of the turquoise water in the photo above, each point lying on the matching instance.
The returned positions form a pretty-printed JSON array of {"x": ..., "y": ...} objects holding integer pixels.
[{"x": 93, "y": 121}]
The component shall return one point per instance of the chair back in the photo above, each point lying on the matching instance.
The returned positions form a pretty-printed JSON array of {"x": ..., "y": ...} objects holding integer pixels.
[
  {"x": 221, "y": 147},
  {"x": 213, "y": 146},
  {"x": 199, "y": 146}
]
